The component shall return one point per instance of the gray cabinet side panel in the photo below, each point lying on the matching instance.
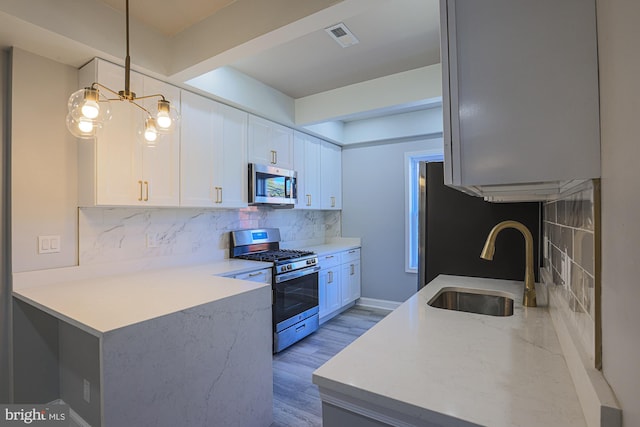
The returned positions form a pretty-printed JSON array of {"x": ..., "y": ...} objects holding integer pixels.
[
  {"x": 35, "y": 361},
  {"x": 80, "y": 361}
]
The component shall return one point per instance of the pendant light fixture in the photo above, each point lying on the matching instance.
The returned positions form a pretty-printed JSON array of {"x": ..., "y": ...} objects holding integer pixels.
[{"x": 89, "y": 108}]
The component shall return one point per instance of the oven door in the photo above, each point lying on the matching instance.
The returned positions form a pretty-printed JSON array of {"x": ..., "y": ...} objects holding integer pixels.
[{"x": 295, "y": 293}]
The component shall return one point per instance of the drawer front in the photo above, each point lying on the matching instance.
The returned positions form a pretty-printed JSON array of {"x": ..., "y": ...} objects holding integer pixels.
[
  {"x": 350, "y": 255},
  {"x": 263, "y": 276},
  {"x": 329, "y": 260}
]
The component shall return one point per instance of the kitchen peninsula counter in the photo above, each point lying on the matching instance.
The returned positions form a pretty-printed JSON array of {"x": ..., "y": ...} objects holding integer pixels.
[
  {"x": 167, "y": 347},
  {"x": 428, "y": 366},
  {"x": 102, "y": 304}
]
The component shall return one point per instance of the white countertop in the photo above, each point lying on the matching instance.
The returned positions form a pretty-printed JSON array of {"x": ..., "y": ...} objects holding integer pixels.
[
  {"x": 335, "y": 245},
  {"x": 102, "y": 304},
  {"x": 426, "y": 364}
]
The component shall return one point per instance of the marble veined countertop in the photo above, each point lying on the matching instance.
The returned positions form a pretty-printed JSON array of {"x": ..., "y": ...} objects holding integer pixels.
[
  {"x": 102, "y": 304},
  {"x": 338, "y": 244},
  {"x": 428, "y": 366}
]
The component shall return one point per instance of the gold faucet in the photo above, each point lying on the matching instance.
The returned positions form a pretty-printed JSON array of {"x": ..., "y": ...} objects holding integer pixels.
[{"x": 529, "y": 298}]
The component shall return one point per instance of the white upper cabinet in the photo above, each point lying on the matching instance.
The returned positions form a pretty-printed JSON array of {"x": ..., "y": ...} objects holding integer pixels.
[
  {"x": 232, "y": 158},
  {"x": 270, "y": 143},
  {"x": 331, "y": 176},
  {"x": 306, "y": 154},
  {"x": 118, "y": 168},
  {"x": 520, "y": 96},
  {"x": 213, "y": 154}
]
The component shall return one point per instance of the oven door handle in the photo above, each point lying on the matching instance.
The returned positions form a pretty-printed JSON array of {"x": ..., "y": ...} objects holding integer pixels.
[{"x": 295, "y": 274}]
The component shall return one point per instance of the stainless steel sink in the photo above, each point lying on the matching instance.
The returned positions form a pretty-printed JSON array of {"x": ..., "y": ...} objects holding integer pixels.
[{"x": 473, "y": 301}]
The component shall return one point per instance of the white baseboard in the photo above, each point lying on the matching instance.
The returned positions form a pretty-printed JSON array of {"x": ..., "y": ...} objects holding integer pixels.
[{"x": 378, "y": 303}]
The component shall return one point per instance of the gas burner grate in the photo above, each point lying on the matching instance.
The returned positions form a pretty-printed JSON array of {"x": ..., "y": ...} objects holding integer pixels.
[{"x": 276, "y": 255}]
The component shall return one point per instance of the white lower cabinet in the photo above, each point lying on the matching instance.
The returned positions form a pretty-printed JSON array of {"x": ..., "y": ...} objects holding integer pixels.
[
  {"x": 350, "y": 276},
  {"x": 339, "y": 282}
]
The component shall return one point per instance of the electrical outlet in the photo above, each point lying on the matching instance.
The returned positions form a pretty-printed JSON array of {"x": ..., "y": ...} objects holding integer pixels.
[
  {"x": 152, "y": 240},
  {"x": 86, "y": 392},
  {"x": 48, "y": 244}
]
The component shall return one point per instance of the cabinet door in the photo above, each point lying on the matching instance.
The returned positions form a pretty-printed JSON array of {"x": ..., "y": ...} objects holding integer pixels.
[
  {"x": 231, "y": 158},
  {"x": 331, "y": 176},
  {"x": 306, "y": 151},
  {"x": 270, "y": 143},
  {"x": 350, "y": 281},
  {"x": 200, "y": 119},
  {"x": 329, "y": 290},
  {"x": 122, "y": 168},
  {"x": 282, "y": 145},
  {"x": 161, "y": 161},
  {"x": 118, "y": 154},
  {"x": 519, "y": 109}
]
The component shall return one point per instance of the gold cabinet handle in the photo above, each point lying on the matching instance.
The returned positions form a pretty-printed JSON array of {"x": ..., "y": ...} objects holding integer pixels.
[
  {"x": 353, "y": 269},
  {"x": 330, "y": 277},
  {"x": 333, "y": 201},
  {"x": 140, "y": 184},
  {"x": 218, "y": 194},
  {"x": 274, "y": 157},
  {"x": 308, "y": 199},
  {"x": 259, "y": 273},
  {"x": 146, "y": 186}
]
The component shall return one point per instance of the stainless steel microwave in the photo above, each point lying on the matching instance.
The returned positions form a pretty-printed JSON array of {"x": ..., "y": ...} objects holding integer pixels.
[{"x": 269, "y": 185}]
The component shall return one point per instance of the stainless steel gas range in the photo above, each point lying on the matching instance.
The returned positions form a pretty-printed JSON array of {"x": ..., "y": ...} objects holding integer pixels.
[{"x": 294, "y": 282}]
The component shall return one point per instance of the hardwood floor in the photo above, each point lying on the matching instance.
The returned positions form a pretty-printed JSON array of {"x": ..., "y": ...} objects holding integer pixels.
[{"x": 296, "y": 402}]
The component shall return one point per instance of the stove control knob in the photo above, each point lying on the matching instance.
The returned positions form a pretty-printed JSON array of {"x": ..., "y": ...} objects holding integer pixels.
[{"x": 289, "y": 267}]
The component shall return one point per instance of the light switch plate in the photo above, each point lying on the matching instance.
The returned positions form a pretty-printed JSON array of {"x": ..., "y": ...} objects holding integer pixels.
[{"x": 48, "y": 244}]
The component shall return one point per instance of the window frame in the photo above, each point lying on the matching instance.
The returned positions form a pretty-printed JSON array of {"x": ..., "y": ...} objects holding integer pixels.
[{"x": 411, "y": 171}]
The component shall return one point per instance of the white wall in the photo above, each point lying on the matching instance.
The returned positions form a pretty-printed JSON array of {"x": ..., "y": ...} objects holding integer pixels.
[
  {"x": 43, "y": 162},
  {"x": 619, "y": 57},
  {"x": 373, "y": 208}
]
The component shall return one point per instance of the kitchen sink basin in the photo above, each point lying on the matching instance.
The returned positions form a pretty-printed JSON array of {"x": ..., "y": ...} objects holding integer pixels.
[{"x": 492, "y": 303}]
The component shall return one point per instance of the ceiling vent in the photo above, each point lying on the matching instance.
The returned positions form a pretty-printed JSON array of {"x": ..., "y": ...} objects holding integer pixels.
[{"x": 341, "y": 34}]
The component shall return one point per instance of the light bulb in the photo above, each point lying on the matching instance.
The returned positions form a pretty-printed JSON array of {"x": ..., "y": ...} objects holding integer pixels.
[
  {"x": 163, "y": 120},
  {"x": 163, "y": 117},
  {"x": 85, "y": 126},
  {"x": 82, "y": 128},
  {"x": 90, "y": 109},
  {"x": 150, "y": 130}
]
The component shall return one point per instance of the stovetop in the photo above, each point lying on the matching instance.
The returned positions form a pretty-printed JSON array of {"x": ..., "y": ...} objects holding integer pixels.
[{"x": 275, "y": 255}]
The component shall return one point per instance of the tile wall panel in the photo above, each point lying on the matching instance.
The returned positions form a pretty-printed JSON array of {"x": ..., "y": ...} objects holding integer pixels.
[{"x": 569, "y": 258}]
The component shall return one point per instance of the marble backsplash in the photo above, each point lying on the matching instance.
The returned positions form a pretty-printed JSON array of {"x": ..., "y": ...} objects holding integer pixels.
[
  {"x": 570, "y": 260},
  {"x": 111, "y": 235}
]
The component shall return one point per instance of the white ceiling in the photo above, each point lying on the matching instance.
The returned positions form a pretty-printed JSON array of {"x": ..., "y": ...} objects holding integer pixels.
[
  {"x": 396, "y": 36},
  {"x": 281, "y": 43},
  {"x": 170, "y": 17}
]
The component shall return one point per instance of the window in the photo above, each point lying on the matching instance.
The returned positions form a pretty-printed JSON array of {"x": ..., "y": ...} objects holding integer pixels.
[{"x": 411, "y": 173}]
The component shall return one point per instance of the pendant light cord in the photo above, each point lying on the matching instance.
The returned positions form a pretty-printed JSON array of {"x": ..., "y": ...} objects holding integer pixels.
[{"x": 127, "y": 61}]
